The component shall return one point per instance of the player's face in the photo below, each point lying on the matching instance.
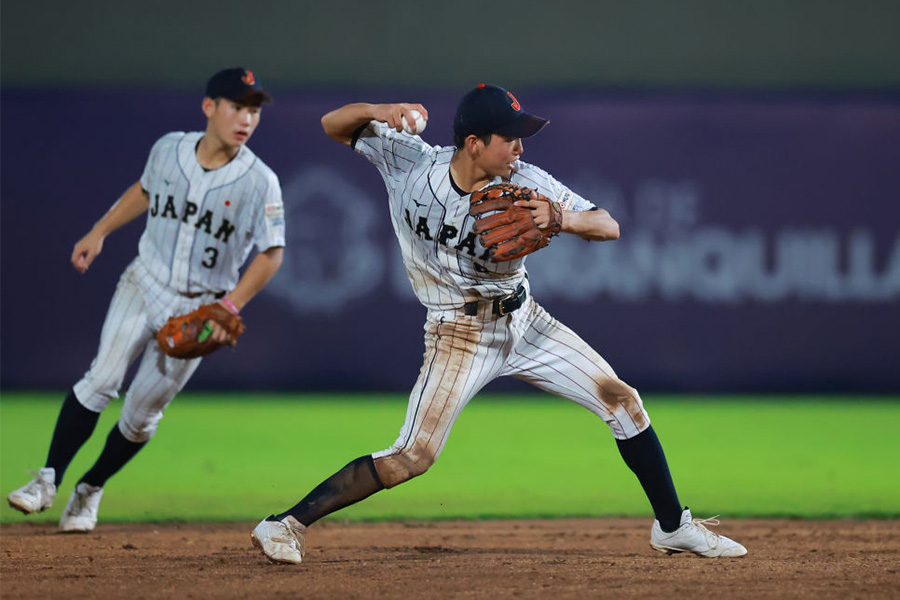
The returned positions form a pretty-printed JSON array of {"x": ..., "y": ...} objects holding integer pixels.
[
  {"x": 232, "y": 123},
  {"x": 499, "y": 154}
]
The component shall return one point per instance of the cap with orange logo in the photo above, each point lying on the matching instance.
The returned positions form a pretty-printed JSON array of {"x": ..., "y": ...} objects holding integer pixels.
[
  {"x": 237, "y": 84},
  {"x": 492, "y": 109}
]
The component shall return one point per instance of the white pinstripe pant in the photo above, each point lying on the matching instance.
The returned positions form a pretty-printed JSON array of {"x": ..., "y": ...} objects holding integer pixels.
[
  {"x": 463, "y": 354},
  {"x": 140, "y": 306}
]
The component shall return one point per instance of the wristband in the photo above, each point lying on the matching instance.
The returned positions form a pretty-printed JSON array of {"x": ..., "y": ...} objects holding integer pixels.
[{"x": 230, "y": 305}]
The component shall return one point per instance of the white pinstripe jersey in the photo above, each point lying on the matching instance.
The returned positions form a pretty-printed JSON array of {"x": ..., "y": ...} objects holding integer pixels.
[
  {"x": 445, "y": 261},
  {"x": 202, "y": 224}
]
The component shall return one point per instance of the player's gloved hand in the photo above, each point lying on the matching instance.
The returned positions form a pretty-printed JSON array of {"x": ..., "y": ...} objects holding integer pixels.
[
  {"x": 220, "y": 334},
  {"x": 514, "y": 221},
  {"x": 200, "y": 332},
  {"x": 547, "y": 214}
]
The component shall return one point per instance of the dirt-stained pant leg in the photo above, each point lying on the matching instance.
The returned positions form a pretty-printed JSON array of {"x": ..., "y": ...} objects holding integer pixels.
[
  {"x": 552, "y": 357},
  {"x": 125, "y": 333},
  {"x": 462, "y": 354}
]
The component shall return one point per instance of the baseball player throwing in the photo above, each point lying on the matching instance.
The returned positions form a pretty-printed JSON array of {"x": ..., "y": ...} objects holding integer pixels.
[
  {"x": 208, "y": 200},
  {"x": 482, "y": 322}
]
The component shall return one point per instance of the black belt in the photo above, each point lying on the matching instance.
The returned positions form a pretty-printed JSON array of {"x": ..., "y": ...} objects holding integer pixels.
[
  {"x": 502, "y": 305},
  {"x": 216, "y": 295}
]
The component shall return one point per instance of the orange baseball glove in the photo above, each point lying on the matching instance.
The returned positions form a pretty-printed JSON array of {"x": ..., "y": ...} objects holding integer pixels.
[
  {"x": 511, "y": 232},
  {"x": 190, "y": 335}
]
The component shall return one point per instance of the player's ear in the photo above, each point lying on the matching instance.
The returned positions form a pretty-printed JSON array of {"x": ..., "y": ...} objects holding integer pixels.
[
  {"x": 473, "y": 143},
  {"x": 208, "y": 107}
]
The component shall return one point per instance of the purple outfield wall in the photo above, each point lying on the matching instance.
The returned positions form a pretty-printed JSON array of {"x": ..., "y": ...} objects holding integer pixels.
[{"x": 760, "y": 247}]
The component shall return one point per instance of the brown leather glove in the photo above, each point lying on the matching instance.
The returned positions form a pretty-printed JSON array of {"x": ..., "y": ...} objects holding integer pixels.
[
  {"x": 190, "y": 335},
  {"x": 511, "y": 232}
]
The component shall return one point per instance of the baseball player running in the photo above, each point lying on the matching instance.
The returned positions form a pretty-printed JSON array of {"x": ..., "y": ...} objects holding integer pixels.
[
  {"x": 482, "y": 322},
  {"x": 208, "y": 200}
]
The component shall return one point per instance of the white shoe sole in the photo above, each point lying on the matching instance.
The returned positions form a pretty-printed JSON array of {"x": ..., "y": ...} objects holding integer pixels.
[
  {"x": 76, "y": 528},
  {"x": 665, "y": 549},
  {"x": 669, "y": 551},
  {"x": 25, "y": 510}
]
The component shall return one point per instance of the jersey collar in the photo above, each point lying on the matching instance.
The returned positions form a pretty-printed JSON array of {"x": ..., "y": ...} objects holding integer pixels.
[{"x": 236, "y": 167}]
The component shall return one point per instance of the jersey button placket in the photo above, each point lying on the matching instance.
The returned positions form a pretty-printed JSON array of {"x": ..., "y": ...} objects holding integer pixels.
[{"x": 186, "y": 233}]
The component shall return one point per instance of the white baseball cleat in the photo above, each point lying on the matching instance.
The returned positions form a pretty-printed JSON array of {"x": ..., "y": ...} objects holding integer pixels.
[
  {"x": 281, "y": 541},
  {"x": 37, "y": 495},
  {"x": 81, "y": 511},
  {"x": 693, "y": 536}
]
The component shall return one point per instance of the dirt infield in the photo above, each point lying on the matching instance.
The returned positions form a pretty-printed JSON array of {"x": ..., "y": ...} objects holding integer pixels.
[{"x": 578, "y": 558}]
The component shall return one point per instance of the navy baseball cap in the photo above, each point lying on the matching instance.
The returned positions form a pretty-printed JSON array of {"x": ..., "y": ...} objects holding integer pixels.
[
  {"x": 237, "y": 84},
  {"x": 491, "y": 109}
]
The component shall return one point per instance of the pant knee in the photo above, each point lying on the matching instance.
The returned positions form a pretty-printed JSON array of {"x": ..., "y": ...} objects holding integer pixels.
[
  {"x": 139, "y": 429},
  {"x": 401, "y": 466},
  {"x": 627, "y": 415},
  {"x": 92, "y": 397}
]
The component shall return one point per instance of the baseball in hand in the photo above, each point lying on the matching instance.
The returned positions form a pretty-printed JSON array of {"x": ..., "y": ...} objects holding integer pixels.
[{"x": 419, "y": 125}]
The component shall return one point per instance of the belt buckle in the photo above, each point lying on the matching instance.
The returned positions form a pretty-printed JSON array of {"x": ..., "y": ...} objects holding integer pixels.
[{"x": 500, "y": 303}]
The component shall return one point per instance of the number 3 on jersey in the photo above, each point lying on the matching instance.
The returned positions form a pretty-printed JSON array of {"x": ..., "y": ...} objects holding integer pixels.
[{"x": 212, "y": 254}]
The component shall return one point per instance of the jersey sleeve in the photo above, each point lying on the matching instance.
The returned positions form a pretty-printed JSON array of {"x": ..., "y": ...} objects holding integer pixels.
[
  {"x": 268, "y": 227},
  {"x": 394, "y": 154},
  {"x": 537, "y": 179}
]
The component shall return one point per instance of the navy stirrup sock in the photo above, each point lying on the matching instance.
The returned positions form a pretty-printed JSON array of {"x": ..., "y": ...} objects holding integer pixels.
[
  {"x": 644, "y": 456},
  {"x": 357, "y": 480},
  {"x": 74, "y": 426},
  {"x": 116, "y": 453}
]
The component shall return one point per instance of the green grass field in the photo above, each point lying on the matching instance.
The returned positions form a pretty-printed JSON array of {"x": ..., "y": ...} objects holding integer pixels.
[{"x": 244, "y": 456}]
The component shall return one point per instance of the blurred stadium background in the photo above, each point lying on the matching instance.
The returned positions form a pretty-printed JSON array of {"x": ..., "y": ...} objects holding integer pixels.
[{"x": 749, "y": 150}]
